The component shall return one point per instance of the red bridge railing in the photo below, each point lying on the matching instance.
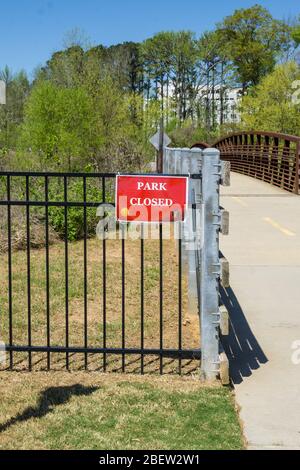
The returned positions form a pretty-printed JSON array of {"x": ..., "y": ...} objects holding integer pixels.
[{"x": 267, "y": 156}]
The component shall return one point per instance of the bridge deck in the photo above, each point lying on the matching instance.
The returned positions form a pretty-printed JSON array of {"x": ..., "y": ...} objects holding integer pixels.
[{"x": 264, "y": 253}]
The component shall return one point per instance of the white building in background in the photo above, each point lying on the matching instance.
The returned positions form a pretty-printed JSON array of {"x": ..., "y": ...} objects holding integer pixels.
[
  {"x": 228, "y": 99},
  {"x": 231, "y": 98}
]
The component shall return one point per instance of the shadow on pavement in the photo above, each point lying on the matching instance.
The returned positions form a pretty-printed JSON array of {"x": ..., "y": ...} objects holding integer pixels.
[{"x": 242, "y": 349}]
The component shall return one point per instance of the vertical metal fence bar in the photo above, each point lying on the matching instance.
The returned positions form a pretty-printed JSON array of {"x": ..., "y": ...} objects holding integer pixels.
[
  {"x": 161, "y": 325},
  {"x": 190, "y": 164},
  {"x": 104, "y": 282},
  {"x": 103, "y": 189},
  {"x": 85, "y": 275},
  {"x": 142, "y": 298},
  {"x": 28, "y": 273},
  {"x": 180, "y": 295},
  {"x": 123, "y": 294},
  {"x": 9, "y": 260},
  {"x": 47, "y": 271},
  {"x": 104, "y": 299},
  {"x": 66, "y": 271}
]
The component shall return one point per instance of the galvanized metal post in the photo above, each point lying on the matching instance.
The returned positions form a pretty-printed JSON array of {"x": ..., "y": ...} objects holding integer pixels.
[
  {"x": 193, "y": 232},
  {"x": 166, "y": 153},
  {"x": 201, "y": 246},
  {"x": 210, "y": 265},
  {"x": 185, "y": 158}
]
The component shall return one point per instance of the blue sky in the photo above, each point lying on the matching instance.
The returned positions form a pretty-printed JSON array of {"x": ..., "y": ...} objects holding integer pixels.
[{"x": 33, "y": 29}]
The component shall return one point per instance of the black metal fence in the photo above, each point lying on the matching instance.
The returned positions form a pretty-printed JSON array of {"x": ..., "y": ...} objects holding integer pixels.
[{"x": 66, "y": 294}]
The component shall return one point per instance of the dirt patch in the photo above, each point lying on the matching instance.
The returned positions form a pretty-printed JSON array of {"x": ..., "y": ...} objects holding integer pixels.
[{"x": 19, "y": 231}]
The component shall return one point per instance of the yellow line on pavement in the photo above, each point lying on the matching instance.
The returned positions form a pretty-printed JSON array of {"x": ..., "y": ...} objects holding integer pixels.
[
  {"x": 275, "y": 224},
  {"x": 240, "y": 201}
]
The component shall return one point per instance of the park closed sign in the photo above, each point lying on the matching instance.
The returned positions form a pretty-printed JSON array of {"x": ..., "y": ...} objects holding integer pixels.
[{"x": 151, "y": 198}]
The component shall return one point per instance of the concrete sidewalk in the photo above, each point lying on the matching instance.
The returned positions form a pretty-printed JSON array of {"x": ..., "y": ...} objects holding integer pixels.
[{"x": 263, "y": 248}]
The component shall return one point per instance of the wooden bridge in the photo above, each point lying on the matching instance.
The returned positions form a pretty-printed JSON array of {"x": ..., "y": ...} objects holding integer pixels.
[{"x": 267, "y": 156}]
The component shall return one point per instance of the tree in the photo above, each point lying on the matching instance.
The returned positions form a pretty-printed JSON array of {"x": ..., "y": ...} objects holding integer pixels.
[
  {"x": 65, "y": 68},
  {"x": 86, "y": 101},
  {"x": 58, "y": 124},
  {"x": 124, "y": 63},
  {"x": 253, "y": 38},
  {"x": 71, "y": 127},
  {"x": 270, "y": 105},
  {"x": 11, "y": 115},
  {"x": 212, "y": 76},
  {"x": 157, "y": 55},
  {"x": 170, "y": 67},
  {"x": 184, "y": 76},
  {"x": 76, "y": 37}
]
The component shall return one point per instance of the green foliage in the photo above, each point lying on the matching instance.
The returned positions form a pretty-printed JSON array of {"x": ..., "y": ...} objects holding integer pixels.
[
  {"x": 96, "y": 107},
  {"x": 188, "y": 134},
  {"x": 270, "y": 106},
  {"x": 11, "y": 114},
  {"x": 99, "y": 105},
  {"x": 296, "y": 35},
  {"x": 112, "y": 108},
  {"x": 77, "y": 221},
  {"x": 253, "y": 38},
  {"x": 295, "y": 32},
  {"x": 170, "y": 60},
  {"x": 57, "y": 122},
  {"x": 70, "y": 127},
  {"x": 65, "y": 67}
]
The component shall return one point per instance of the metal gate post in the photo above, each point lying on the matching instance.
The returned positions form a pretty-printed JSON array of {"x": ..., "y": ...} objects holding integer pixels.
[
  {"x": 185, "y": 169},
  {"x": 210, "y": 265},
  {"x": 193, "y": 230}
]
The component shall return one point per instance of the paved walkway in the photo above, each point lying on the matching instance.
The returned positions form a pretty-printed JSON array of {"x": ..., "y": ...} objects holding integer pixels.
[{"x": 263, "y": 248}]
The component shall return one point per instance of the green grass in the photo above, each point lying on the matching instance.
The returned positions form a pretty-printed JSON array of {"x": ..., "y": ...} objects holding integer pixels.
[{"x": 52, "y": 411}]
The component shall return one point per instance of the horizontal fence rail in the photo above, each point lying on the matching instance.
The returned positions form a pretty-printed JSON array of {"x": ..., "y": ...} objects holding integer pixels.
[
  {"x": 66, "y": 293},
  {"x": 270, "y": 157}
]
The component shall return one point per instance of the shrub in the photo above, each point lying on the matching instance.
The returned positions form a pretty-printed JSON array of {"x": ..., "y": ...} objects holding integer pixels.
[{"x": 75, "y": 215}]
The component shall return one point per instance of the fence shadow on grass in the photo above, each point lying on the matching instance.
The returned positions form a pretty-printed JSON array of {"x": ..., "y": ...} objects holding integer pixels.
[
  {"x": 48, "y": 400},
  {"x": 242, "y": 348}
]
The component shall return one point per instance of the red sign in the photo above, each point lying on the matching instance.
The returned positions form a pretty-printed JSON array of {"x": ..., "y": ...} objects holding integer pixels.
[{"x": 151, "y": 198}]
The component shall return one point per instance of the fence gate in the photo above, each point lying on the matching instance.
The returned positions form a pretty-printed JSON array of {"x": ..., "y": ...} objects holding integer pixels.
[{"x": 124, "y": 299}]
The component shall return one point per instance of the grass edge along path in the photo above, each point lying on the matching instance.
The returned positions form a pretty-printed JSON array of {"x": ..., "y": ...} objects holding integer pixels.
[{"x": 81, "y": 410}]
